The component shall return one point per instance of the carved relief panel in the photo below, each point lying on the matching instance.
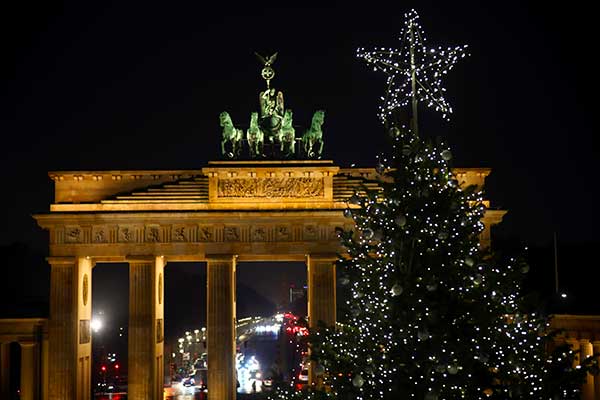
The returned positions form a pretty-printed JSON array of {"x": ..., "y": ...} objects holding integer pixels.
[
  {"x": 153, "y": 234},
  {"x": 127, "y": 233},
  {"x": 270, "y": 187},
  {"x": 73, "y": 234},
  {"x": 100, "y": 234}
]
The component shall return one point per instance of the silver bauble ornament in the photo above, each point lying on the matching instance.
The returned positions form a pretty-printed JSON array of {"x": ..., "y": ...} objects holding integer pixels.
[
  {"x": 358, "y": 381},
  {"x": 524, "y": 268},
  {"x": 453, "y": 369},
  {"x": 447, "y": 155},
  {"x": 440, "y": 368},
  {"x": 344, "y": 280},
  {"x": 397, "y": 290},
  {"x": 368, "y": 233},
  {"x": 348, "y": 213},
  {"x": 432, "y": 287},
  {"x": 400, "y": 220},
  {"x": 423, "y": 335},
  {"x": 469, "y": 261},
  {"x": 405, "y": 150}
]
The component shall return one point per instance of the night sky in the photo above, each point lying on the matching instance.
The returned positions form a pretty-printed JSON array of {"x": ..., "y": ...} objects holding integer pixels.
[{"x": 116, "y": 85}]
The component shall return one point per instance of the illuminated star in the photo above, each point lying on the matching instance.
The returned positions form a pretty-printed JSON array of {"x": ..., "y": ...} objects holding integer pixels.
[{"x": 428, "y": 64}]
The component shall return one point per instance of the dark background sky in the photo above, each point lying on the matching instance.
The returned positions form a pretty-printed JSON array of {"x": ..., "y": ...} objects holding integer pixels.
[{"x": 128, "y": 85}]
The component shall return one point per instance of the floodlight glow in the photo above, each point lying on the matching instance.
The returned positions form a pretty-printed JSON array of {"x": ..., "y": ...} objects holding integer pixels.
[{"x": 96, "y": 325}]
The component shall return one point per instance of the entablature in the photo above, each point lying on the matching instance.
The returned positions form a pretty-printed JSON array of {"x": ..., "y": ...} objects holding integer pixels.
[{"x": 223, "y": 185}]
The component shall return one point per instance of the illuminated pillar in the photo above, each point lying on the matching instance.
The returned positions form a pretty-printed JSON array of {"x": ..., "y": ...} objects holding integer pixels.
[
  {"x": 321, "y": 296},
  {"x": 321, "y": 289},
  {"x": 587, "y": 389},
  {"x": 571, "y": 339},
  {"x": 29, "y": 370},
  {"x": 44, "y": 369},
  {"x": 146, "y": 328},
  {"x": 69, "y": 353},
  {"x": 490, "y": 218},
  {"x": 221, "y": 327},
  {"x": 596, "y": 348},
  {"x": 4, "y": 370}
]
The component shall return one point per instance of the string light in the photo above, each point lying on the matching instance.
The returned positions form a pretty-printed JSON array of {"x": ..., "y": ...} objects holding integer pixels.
[{"x": 414, "y": 70}]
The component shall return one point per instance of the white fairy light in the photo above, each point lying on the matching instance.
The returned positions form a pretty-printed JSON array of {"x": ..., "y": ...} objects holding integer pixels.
[{"x": 414, "y": 71}]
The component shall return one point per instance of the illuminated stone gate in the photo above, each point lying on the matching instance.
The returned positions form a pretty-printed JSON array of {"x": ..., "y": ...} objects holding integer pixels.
[{"x": 227, "y": 212}]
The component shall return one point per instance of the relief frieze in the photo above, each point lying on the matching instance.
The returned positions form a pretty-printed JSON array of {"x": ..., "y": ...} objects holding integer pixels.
[
  {"x": 99, "y": 234},
  {"x": 283, "y": 233},
  {"x": 231, "y": 233},
  {"x": 153, "y": 234},
  {"x": 258, "y": 234},
  {"x": 271, "y": 187},
  {"x": 179, "y": 234},
  {"x": 311, "y": 232},
  {"x": 186, "y": 233},
  {"x": 73, "y": 234},
  {"x": 126, "y": 234},
  {"x": 206, "y": 234}
]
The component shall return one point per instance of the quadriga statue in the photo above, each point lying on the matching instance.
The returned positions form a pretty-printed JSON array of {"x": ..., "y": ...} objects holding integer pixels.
[
  {"x": 255, "y": 137},
  {"x": 312, "y": 139},
  {"x": 287, "y": 135},
  {"x": 231, "y": 136}
]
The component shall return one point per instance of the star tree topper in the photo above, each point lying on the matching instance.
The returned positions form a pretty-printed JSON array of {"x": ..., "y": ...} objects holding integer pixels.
[{"x": 414, "y": 71}]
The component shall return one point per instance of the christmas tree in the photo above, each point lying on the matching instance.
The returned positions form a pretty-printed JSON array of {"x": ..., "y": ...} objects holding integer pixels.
[{"x": 429, "y": 314}]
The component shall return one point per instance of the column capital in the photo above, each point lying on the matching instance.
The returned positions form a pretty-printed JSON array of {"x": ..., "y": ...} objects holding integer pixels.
[
  {"x": 323, "y": 257},
  {"x": 27, "y": 343},
  {"x": 221, "y": 257},
  {"x": 140, "y": 259},
  {"x": 61, "y": 260}
]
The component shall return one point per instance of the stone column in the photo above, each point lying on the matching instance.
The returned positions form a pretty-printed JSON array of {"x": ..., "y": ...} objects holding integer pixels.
[
  {"x": 69, "y": 328},
  {"x": 30, "y": 383},
  {"x": 146, "y": 328},
  {"x": 221, "y": 327},
  {"x": 44, "y": 370},
  {"x": 4, "y": 370},
  {"x": 321, "y": 289},
  {"x": 572, "y": 340},
  {"x": 587, "y": 389},
  {"x": 596, "y": 348},
  {"x": 321, "y": 296}
]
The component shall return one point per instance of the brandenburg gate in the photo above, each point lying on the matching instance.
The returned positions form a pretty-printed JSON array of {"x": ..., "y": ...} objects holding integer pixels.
[
  {"x": 227, "y": 212},
  {"x": 283, "y": 206}
]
